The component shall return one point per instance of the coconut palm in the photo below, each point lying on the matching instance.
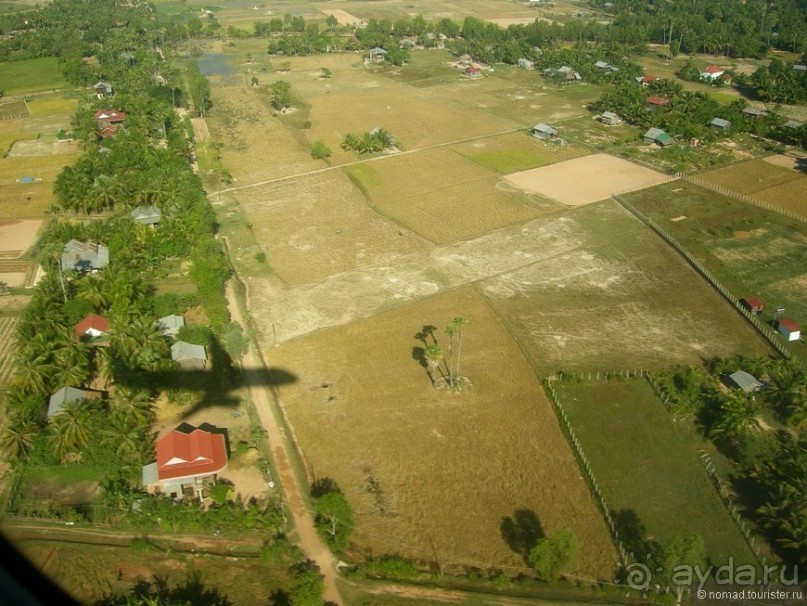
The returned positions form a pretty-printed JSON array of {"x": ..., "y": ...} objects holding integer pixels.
[
  {"x": 434, "y": 354},
  {"x": 17, "y": 438},
  {"x": 133, "y": 406},
  {"x": 70, "y": 429}
]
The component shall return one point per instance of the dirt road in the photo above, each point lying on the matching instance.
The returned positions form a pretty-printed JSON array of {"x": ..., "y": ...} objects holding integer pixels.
[{"x": 255, "y": 374}]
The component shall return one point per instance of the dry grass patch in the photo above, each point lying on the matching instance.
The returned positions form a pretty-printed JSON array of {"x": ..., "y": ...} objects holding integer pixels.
[
  {"x": 450, "y": 468},
  {"x": 441, "y": 195},
  {"x": 515, "y": 152},
  {"x": 316, "y": 226},
  {"x": 257, "y": 145},
  {"x": 773, "y": 180},
  {"x": 620, "y": 299},
  {"x": 52, "y": 106}
]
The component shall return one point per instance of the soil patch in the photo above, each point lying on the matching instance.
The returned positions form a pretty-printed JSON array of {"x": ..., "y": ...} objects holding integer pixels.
[{"x": 587, "y": 179}]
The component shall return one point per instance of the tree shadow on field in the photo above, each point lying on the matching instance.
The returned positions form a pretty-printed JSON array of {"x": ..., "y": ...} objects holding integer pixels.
[
  {"x": 419, "y": 356},
  {"x": 631, "y": 531},
  {"x": 522, "y": 531},
  {"x": 323, "y": 486},
  {"x": 427, "y": 335}
]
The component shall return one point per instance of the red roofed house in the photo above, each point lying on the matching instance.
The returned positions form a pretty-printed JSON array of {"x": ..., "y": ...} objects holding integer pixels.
[
  {"x": 645, "y": 80},
  {"x": 188, "y": 460},
  {"x": 92, "y": 326},
  {"x": 472, "y": 71},
  {"x": 109, "y": 116},
  {"x": 711, "y": 73},
  {"x": 752, "y": 304},
  {"x": 654, "y": 102},
  {"x": 789, "y": 328}
]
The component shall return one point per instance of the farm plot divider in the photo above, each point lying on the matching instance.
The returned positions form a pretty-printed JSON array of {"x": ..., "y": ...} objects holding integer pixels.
[
  {"x": 625, "y": 557},
  {"x": 764, "y": 330},
  {"x": 741, "y": 197}
]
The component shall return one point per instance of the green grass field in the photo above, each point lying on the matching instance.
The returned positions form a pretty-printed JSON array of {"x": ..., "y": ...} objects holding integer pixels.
[
  {"x": 31, "y": 76},
  {"x": 750, "y": 250},
  {"x": 647, "y": 463}
]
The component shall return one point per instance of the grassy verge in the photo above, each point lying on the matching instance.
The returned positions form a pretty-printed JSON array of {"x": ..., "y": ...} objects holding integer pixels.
[{"x": 648, "y": 468}]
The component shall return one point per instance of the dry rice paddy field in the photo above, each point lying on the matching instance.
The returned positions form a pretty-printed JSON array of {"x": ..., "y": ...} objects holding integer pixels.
[
  {"x": 451, "y": 467},
  {"x": 30, "y": 149},
  {"x": 364, "y": 251}
]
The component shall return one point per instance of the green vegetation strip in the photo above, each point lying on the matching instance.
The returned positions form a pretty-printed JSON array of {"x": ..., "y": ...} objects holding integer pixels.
[{"x": 647, "y": 465}]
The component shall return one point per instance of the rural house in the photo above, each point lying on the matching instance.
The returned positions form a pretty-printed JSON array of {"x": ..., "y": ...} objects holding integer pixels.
[
  {"x": 188, "y": 461},
  {"x": 753, "y": 112},
  {"x": 377, "y": 55},
  {"x": 646, "y": 80},
  {"x": 711, "y": 73},
  {"x": 544, "y": 131},
  {"x": 189, "y": 356},
  {"x": 102, "y": 89},
  {"x": 743, "y": 380},
  {"x": 753, "y": 304},
  {"x": 69, "y": 394},
  {"x": 526, "y": 63},
  {"x": 655, "y": 102},
  {"x": 170, "y": 325},
  {"x": 473, "y": 71},
  {"x": 109, "y": 116},
  {"x": 146, "y": 215},
  {"x": 789, "y": 328},
  {"x": 794, "y": 124},
  {"x": 92, "y": 326},
  {"x": 658, "y": 136},
  {"x": 720, "y": 124},
  {"x": 610, "y": 118},
  {"x": 84, "y": 256},
  {"x": 567, "y": 74}
]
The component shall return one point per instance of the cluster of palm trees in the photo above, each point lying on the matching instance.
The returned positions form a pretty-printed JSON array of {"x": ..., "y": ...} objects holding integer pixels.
[
  {"x": 773, "y": 484},
  {"x": 450, "y": 356},
  {"x": 370, "y": 142}
]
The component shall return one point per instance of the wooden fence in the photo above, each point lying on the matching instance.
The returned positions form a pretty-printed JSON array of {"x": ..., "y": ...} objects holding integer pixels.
[
  {"x": 771, "y": 336},
  {"x": 741, "y": 197}
]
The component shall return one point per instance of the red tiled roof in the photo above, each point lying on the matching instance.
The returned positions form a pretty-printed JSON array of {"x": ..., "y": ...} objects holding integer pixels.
[
  {"x": 649, "y": 78},
  {"x": 712, "y": 69},
  {"x": 99, "y": 323},
  {"x": 109, "y": 115},
  {"x": 190, "y": 451},
  {"x": 753, "y": 302},
  {"x": 789, "y": 325},
  {"x": 658, "y": 101}
]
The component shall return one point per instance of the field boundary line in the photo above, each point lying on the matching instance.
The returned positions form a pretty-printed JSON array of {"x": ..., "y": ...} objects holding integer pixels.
[
  {"x": 625, "y": 557},
  {"x": 769, "y": 335},
  {"x": 741, "y": 197},
  {"x": 365, "y": 160}
]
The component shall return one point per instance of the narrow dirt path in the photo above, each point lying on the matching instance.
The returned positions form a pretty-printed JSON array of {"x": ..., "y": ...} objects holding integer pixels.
[{"x": 309, "y": 541}]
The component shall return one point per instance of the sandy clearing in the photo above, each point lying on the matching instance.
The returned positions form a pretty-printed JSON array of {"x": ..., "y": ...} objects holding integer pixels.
[
  {"x": 513, "y": 21},
  {"x": 343, "y": 17},
  {"x": 18, "y": 235},
  {"x": 13, "y": 279},
  {"x": 782, "y": 160},
  {"x": 27, "y": 149},
  {"x": 587, "y": 179},
  {"x": 344, "y": 297}
]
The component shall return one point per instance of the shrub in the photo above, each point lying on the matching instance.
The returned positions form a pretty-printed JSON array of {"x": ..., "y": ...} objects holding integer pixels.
[{"x": 320, "y": 151}]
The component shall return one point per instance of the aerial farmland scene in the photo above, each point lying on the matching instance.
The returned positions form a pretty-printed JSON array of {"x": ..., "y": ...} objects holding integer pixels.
[{"x": 401, "y": 303}]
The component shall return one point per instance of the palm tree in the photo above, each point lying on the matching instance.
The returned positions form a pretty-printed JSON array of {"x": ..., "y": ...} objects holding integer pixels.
[
  {"x": 133, "y": 406},
  {"x": 451, "y": 331},
  {"x": 17, "y": 438},
  {"x": 458, "y": 322},
  {"x": 70, "y": 429},
  {"x": 434, "y": 353}
]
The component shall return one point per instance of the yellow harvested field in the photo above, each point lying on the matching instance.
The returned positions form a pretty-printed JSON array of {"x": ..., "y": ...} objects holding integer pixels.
[
  {"x": 587, "y": 179},
  {"x": 52, "y": 106},
  {"x": 442, "y": 195},
  {"x": 450, "y": 469},
  {"x": 343, "y": 17},
  {"x": 315, "y": 226},
  {"x": 16, "y": 237}
]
